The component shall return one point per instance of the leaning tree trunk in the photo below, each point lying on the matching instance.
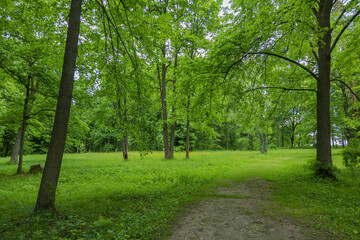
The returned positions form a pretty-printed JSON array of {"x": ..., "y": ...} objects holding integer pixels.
[
  {"x": 49, "y": 180},
  {"x": 323, "y": 149},
  {"x": 15, "y": 151}
]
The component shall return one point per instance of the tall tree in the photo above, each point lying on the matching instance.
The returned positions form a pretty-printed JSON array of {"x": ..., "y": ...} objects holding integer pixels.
[
  {"x": 318, "y": 21},
  {"x": 49, "y": 180}
]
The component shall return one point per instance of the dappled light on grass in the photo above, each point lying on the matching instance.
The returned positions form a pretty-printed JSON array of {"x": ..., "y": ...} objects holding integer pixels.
[{"x": 102, "y": 197}]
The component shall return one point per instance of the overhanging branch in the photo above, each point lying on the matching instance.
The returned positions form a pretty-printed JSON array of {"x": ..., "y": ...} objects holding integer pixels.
[
  {"x": 348, "y": 87},
  {"x": 343, "y": 30},
  {"x": 280, "y": 88},
  {"x": 289, "y": 60}
]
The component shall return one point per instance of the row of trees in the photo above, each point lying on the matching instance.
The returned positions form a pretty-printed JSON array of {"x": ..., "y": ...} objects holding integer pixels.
[{"x": 167, "y": 75}]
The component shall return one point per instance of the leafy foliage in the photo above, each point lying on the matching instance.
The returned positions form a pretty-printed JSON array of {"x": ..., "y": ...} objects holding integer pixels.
[{"x": 351, "y": 153}]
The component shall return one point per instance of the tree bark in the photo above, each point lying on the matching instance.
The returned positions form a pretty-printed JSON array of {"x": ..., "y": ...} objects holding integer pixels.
[
  {"x": 292, "y": 137},
  {"x": 15, "y": 151},
  {"x": 277, "y": 134},
  {"x": 323, "y": 150},
  {"x": 282, "y": 136},
  {"x": 125, "y": 148},
  {"x": 49, "y": 180},
  {"x": 227, "y": 136},
  {"x": 23, "y": 126},
  {"x": 259, "y": 138},
  {"x": 188, "y": 128},
  {"x": 125, "y": 135},
  {"x": 264, "y": 142},
  {"x": 164, "y": 110},
  {"x": 173, "y": 126}
]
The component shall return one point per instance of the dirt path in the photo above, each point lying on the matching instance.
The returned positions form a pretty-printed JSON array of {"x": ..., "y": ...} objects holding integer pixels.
[{"x": 240, "y": 211}]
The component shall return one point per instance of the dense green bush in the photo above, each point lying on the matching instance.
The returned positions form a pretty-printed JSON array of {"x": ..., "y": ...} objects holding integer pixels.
[{"x": 351, "y": 153}]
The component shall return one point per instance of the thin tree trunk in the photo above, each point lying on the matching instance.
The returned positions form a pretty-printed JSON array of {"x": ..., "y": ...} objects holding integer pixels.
[
  {"x": 15, "y": 151},
  {"x": 259, "y": 138},
  {"x": 277, "y": 134},
  {"x": 23, "y": 127},
  {"x": 264, "y": 142},
  {"x": 125, "y": 136},
  {"x": 323, "y": 153},
  {"x": 164, "y": 106},
  {"x": 173, "y": 126},
  {"x": 125, "y": 148},
  {"x": 227, "y": 136},
  {"x": 188, "y": 128},
  {"x": 172, "y": 138},
  {"x": 282, "y": 136},
  {"x": 49, "y": 180}
]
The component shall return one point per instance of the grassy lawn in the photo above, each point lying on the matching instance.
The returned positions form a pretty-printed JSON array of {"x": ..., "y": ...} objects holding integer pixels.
[{"x": 101, "y": 197}]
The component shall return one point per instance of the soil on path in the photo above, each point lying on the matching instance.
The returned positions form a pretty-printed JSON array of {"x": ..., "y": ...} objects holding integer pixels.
[{"x": 241, "y": 210}]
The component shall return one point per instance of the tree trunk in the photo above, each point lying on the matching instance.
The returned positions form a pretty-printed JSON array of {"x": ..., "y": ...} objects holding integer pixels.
[
  {"x": 125, "y": 135},
  {"x": 188, "y": 128},
  {"x": 227, "y": 136},
  {"x": 49, "y": 180},
  {"x": 23, "y": 127},
  {"x": 277, "y": 134},
  {"x": 15, "y": 151},
  {"x": 125, "y": 148},
  {"x": 292, "y": 137},
  {"x": 282, "y": 136},
  {"x": 264, "y": 142},
  {"x": 323, "y": 149},
  {"x": 164, "y": 106},
  {"x": 172, "y": 140},
  {"x": 259, "y": 138},
  {"x": 173, "y": 126}
]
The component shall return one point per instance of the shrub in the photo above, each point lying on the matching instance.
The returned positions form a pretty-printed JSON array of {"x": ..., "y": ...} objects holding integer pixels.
[{"x": 351, "y": 153}]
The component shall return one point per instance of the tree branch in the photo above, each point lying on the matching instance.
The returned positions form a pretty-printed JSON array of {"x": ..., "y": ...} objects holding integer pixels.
[
  {"x": 281, "y": 88},
  {"x": 314, "y": 53},
  {"x": 348, "y": 87},
  {"x": 343, "y": 30},
  {"x": 116, "y": 31},
  {"x": 289, "y": 60}
]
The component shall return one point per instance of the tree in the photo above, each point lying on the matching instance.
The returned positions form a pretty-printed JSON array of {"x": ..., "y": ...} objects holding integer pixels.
[
  {"x": 317, "y": 21},
  {"x": 27, "y": 57},
  {"x": 49, "y": 180}
]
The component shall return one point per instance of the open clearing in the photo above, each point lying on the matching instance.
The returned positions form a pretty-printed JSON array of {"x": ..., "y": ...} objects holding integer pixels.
[{"x": 212, "y": 195}]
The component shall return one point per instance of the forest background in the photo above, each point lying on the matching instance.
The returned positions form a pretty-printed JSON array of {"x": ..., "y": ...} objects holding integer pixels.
[{"x": 178, "y": 75}]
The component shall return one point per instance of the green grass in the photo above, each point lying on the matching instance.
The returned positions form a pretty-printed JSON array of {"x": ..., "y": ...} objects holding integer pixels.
[{"x": 101, "y": 197}]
